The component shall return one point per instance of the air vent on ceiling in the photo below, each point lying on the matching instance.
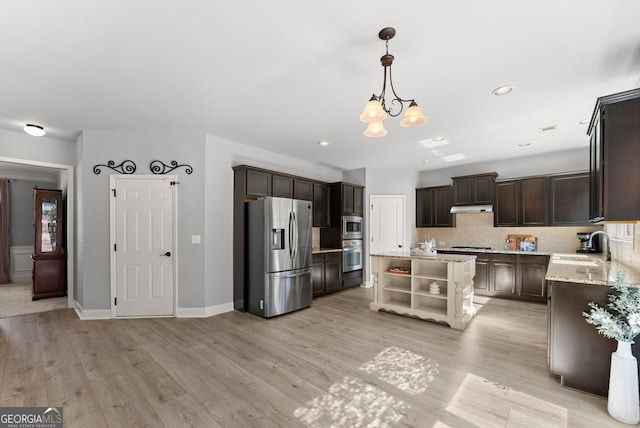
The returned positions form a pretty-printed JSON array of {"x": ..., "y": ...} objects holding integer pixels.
[{"x": 548, "y": 129}]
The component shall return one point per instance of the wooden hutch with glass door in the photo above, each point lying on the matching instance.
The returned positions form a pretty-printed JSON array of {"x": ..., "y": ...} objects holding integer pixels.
[{"x": 49, "y": 258}]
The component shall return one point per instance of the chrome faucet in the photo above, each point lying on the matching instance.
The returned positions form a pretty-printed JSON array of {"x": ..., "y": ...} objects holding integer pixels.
[{"x": 600, "y": 232}]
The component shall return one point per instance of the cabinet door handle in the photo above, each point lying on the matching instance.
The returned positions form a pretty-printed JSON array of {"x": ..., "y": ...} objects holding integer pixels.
[{"x": 167, "y": 254}]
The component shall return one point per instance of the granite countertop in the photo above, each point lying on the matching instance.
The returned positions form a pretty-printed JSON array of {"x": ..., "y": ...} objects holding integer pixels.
[
  {"x": 497, "y": 251},
  {"x": 590, "y": 270},
  {"x": 325, "y": 250},
  {"x": 437, "y": 258}
]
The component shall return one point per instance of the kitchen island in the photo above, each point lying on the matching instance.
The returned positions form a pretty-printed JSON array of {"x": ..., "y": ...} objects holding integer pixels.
[
  {"x": 438, "y": 288},
  {"x": 576, "y": 352}
]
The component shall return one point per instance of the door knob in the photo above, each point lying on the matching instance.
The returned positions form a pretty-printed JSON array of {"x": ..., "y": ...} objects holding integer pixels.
[
  {"x": 167, "y": 254},
  {"x": 399, "y": 246}
]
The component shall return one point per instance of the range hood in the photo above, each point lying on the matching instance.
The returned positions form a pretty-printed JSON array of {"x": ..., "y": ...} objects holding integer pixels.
[{"x": 467, "y": 209}]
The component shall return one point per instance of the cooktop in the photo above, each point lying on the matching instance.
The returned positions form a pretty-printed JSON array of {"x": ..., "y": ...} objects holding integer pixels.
[{"x": 468, "y": 247}]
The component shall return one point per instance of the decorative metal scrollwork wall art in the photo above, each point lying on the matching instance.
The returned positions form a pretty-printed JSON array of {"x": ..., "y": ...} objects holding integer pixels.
[
  {"x": 158, "y": 167},
  {"x": 126, "y": 167}
]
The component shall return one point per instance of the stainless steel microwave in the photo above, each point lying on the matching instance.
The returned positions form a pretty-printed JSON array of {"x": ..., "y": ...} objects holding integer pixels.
[{"x": 352, "y": 227}]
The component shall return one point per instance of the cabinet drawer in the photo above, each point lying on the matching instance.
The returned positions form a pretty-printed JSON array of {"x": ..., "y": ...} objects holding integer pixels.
[{"x": 332, "y": 257}]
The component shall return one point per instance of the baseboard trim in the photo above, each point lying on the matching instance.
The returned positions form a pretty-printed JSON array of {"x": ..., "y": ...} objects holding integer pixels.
[
  {"x": 367, "y": 284},
  {"x": 91, "y": 314},
  {"x": 209, "y": 311},
  {"x": 105, "y": 314}
]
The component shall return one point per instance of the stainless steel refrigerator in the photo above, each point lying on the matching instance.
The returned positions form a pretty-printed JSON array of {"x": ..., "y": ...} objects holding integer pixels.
[{"x": 278, "y": 256}]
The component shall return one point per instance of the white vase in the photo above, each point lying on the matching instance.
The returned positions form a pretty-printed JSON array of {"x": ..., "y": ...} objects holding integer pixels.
[{"x": 623, "y": 404}]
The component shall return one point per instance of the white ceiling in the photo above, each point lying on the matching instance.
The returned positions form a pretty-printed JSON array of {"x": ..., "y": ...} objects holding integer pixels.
[{"x": 285, "y": 74}]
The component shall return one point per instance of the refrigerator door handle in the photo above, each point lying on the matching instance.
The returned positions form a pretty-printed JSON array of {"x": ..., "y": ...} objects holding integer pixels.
[
  {"x": 291, "y": 235},
  {"x": 295, "y": 235}
]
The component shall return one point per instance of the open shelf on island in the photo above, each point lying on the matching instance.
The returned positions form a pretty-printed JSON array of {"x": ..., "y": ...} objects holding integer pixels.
[
  {"x": 409, "y": 293},
  {"x": 397, "y": 298},
  {"x": 422, "y": 285},
  {"x": 427, "y": 304}
]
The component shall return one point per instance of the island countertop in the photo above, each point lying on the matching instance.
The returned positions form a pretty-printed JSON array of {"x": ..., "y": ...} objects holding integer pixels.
[
  {"x": 590, "y": 270},
  {"x": 406, "y": 255}
]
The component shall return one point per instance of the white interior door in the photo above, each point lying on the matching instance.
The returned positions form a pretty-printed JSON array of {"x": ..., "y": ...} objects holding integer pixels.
[
  {"x": 387, "y": 223},
  {"x": 143, "y": 259}
]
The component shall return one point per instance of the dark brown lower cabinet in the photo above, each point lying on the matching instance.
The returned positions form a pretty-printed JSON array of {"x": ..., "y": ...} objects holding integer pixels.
[
  {"x": 531, "y": 273},
  {"x": 503, "y": 274},
  {"x": 577, "y": 353},
  {"x": 352, "y": 279},
  {"x": 325, "y": 273},
  {"x": 516, "y": 276},
  {"x": 482, "y": 279},
  {"x": 49, "y": 277}
]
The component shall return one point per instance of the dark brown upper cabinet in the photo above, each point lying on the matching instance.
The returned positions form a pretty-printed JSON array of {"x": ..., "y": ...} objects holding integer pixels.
[
  {"x": 569, "y": 199},
  {"x": 302, "y": 189},
  {"x": 282, "y": 186},
  {"x": 321, "y": 205},
  {"x": 614, "y": 158},
  {"x": 506, "y": 206},
  {"x": 533, "y": 202},
  {"x": 346, "y": 199},
  {"x": 555, "y": 200},
  {"x": 474, "y": 189},
  {"x": 433, "y": 207},
  {"x": 258, "y": 183}
]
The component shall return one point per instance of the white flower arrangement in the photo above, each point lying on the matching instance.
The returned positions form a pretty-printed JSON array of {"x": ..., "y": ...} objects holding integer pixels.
[{"x": 623, "y": 323}]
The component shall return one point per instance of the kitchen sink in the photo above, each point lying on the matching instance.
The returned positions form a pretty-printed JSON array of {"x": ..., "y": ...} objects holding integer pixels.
[
  {"x": 574, "y": 262},
  {"x": 571, "y": 256}
]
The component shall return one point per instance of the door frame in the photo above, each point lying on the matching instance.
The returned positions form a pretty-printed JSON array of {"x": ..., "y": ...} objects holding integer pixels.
[
  {"x": 70, "y": 215},
  {"x": 404, "y": 229},
  {"x": 112, "y": 236}
]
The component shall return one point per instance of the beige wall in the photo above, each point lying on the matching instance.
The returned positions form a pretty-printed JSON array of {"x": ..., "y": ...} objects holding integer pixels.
[{"x": 478, "y": 230}]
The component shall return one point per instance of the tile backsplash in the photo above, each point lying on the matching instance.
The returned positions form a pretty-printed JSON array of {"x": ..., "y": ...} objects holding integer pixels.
[{"x": 477, "y": 229}]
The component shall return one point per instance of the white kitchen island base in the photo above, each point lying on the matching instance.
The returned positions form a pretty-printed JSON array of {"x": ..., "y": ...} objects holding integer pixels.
[{"x": 405, "y": 285}]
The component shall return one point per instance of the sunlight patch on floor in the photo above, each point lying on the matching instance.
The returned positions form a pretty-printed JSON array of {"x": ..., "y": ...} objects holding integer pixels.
[
  {"x": 352, "y": 403},
  {"x": 403, "y": 369},
  {"x": 488, "y": 404}
]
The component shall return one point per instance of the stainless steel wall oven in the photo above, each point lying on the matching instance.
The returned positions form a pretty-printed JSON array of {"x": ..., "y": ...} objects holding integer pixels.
[{"x": 352, "y": 255}]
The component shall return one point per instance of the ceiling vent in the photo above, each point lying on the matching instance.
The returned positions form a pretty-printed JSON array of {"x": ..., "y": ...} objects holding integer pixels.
[{"x": 548, "y": 129}]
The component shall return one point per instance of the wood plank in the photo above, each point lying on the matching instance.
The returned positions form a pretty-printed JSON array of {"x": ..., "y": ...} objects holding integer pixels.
[{"x": 336, "y": 361}]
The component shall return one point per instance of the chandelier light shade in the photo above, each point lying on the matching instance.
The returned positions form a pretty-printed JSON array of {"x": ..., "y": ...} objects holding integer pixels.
[
  {"x": 413, "y": 116},
  {"x": 378, "y": 109},
  {"x": 375, "y": 129}
]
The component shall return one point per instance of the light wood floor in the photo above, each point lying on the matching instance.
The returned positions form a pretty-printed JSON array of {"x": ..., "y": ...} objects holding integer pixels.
[
  {"x": 15, "y": 299},
  {"x": 335, "y": 364}
]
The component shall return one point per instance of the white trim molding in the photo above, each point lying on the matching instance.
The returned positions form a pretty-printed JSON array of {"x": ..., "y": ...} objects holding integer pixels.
[
  {"x": 91, "y": 314},
  {"x": 209, "y": 311},
  {"x": 21, "y": 263}
]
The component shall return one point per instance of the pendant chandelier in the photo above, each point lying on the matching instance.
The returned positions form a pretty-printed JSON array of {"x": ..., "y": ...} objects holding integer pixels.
[{"x": 377, "y": 109}]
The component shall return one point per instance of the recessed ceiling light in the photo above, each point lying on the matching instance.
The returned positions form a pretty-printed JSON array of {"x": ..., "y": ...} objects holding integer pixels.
[
  {"x": 35, "y": 130},
  {"x": 584, "y": 121},
  {"x": 323, "y": 143},
  {"x": 502, "y": 90},
  {"x": 524, "y": 144},
  {"x": 438, "y": 139}
]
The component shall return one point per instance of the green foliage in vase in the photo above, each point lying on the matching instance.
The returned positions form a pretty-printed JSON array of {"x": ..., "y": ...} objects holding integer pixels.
[{"x": 622, "y": 321}]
